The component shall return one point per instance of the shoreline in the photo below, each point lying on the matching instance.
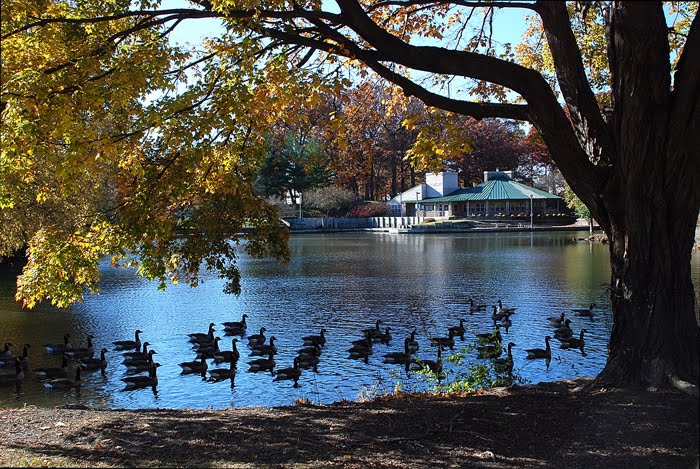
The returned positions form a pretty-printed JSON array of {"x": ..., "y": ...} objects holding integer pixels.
[{"x": 542, "y": 425}]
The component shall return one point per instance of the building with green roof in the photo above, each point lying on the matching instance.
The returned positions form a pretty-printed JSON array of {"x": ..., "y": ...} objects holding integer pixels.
[{"x": 499, "y": 197}]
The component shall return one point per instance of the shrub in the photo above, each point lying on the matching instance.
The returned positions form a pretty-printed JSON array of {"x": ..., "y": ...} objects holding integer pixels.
[
  {"x": 369, "y": 210},
  {"x": 331, "y": 201}
]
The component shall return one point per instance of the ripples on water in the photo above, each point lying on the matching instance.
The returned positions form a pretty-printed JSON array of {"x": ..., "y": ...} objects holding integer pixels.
[{"x": 341, "y": 282}]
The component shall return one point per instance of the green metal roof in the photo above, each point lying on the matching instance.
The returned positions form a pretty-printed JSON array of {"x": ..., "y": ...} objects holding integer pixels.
[{"x": 501, "y": 188}]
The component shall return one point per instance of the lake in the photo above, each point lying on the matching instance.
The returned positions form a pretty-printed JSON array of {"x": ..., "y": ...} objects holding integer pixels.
[{"x": 344, "y": 283}]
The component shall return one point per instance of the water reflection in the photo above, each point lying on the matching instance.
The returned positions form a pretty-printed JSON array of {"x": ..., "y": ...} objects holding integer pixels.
[{"x": 343, "y": 283}]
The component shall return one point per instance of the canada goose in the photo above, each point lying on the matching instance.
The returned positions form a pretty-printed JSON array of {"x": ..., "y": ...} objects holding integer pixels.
[
  {"x": 262, "y": 364},
  {"x": 195, "y": 366},
  {"x": 314, "y": 350},
  {"x": 506, "y": 322},
  {"x": 564, "y": 331},
  {"x": 490, "y": 337},
  {"x": 505, "y": 365},
  {"x": 573, "y": 342},
  {"x": 540, "y": 353},
  {"x": 501, "y": 309},
  {"x": 458, "y": 330},
  {"x": 228, "y": 355},
  {"x": 210, "y": 350},
  {"x": 490, "y": 351},
  {"x": 448, "y": 341},
  {"x": 308, "y": 361},
  {"x": 137, "y": 382},
  {"x": 221, "y": 374},
  {"x": 384, "y": 338},
  {"x": 556, "y": 321},
  {"x": 91, "y": 363},
  {"x": 316, "y": 339},
  {"x": 366, "y": 337},
  {"x": 59, "y": 348},
  {"x": 496, "y": 315},
  {"x": 142, "y": 355},
  {"x": 6, "y": 352},
  {"x": 138, "y": 365},
  {"x": 62, "y": 372},
  {"x": 64, "y": 383},
  {"x": 236, "y": 327},
  {"x": 359, "y": 352},
  {"x": 265, "y": 349},
  {"x": 257, "y": 339},
  {"x": 15, "y": 378},
  {"x": 473, "y": 307},
  {"x": 584, "y": 311},
  {"x": 292, "y": 373},
  {"x": 24, "y": 358},
  {"x": 129, "y": 344},
  {"x": 412, "y": 343},
  {"x": 401, "y": 358},
  {"x": 83, "y": 352},
  {"x": 433, "y": 365},
  {"x": 375, "y": 331},
  {"x": 202, "y": 337}
]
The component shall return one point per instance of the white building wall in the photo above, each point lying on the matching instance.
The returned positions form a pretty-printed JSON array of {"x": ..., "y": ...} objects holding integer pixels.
[{"x": 440, "y": 184}]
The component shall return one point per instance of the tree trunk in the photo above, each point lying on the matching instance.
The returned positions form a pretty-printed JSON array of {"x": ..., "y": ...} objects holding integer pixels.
[{"x": 654, "y": 340}]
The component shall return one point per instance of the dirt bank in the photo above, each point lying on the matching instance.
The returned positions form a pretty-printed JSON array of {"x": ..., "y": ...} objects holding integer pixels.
[{"x": 546, "y": 425}]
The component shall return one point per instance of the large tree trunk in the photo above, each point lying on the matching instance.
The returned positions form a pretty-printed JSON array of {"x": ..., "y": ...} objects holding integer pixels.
[{"x": 654, "y": 339}]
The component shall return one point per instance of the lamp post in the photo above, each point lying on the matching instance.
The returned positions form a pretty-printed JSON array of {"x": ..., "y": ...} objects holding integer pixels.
[{"x": 531, "y": 210}]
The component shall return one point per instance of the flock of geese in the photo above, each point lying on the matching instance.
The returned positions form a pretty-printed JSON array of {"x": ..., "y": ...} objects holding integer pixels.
[{"x": 141, "y": 366}]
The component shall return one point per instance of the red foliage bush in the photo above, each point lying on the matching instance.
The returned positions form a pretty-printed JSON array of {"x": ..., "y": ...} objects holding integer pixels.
[{"x": 369, "y": 210}]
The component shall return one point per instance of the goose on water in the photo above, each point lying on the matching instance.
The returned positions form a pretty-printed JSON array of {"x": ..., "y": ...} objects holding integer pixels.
[
  {"x": 265, "y": 349},
  {"x": 10, "y": 361},
  {"x": 505, "y": 365},
  {"x": 262, "y": 364},
  {"x": 375, "y": 331},
  {"x": 129, "y": 344},
  {"x": 6, "y": 351},
  {"x": 138, "y": 365},
  {"x": 210, "y": 350},
  {"x": 458, "y": 330},
  {"x": 501, "y": 309},
  {"x": 257, "y": 339},
  {"x": 292, "y": 373},
  {"x": 539, "y": 352},
  {"x": 64, "y": 383},
  {"x": 400, "y": 358},
  {"x": 573, "y": 342},
  {"x": 15, "y": 378},
  {"x": 432, "y": 365},
  {"x": 91, "y": 363},
  {"x": 316, "y": 339},
  {"x": 236, "y": 327},
  {"x": 203, "y": 337},
  {"x": 564, "y": 331},
  {"x": 195, "y": 366},
  {"x": 383, "y": 338},
  {"x": 413, "y": 345},
  {"x": 55, "y": 372},
  {"x": 59, "y": 348},
  {"x": 231, "y": 356},
  {"x": 448, "y": 341},
  {"x": 142, "y": 355},
  {"x": 555, "y": 321},
  {"x": 83, "y": 352},
  {"x": 221, "y": 374},
  {"x": 584, "y": 311},
  {"x": 137, "y": 382}
]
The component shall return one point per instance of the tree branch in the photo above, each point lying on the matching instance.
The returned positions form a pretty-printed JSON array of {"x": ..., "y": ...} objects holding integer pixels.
[{"x": 590, "y": 127}]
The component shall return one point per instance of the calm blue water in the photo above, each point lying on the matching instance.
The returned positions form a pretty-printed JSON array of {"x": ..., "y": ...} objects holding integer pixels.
[{"x": 343, "y": 282}]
